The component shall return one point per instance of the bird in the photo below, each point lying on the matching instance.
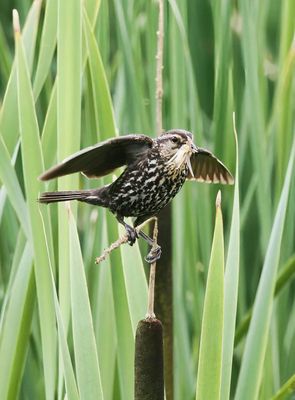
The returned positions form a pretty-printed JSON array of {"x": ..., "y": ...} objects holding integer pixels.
[{"x": 155, "y": 171}]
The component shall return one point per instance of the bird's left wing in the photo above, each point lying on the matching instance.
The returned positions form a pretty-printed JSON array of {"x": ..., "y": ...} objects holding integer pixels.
[
  {"x": 103, "y": 158},
  {"x": 207, "y": 168}
]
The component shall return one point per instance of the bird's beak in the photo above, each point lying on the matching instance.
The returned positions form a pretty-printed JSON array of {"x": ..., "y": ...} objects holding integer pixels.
[{"x": 193, "y": 147}]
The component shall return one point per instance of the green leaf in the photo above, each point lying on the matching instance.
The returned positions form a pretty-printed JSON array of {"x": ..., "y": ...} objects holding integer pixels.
[
  {"x": 32, "y": 165},
  {"x": 124, "y": 328},
  {"x": 8, "y": 114},
  {"x": 16, "y": 326},
  {"x": 68, "y": 371},
  {"x": 284, "y": 278},
  {"x": 210, "y": 358},
  {"x": 254, "y": 107},
  {"x": 286, "y": 389},
  {"x": 49, "y": 139},
  {"x": 255, "y": 347},
  {"x": 86, "y": 360},
  {"x": 231, "y": 282},
  {"x": 104, "y": 322},
  {"x": 9, "y": 178},
  {"x": 104, "y": 110},
  {"x": 47, "y": 46},
  {"x": 69, "y": 86},
  {"x": 69, "y": 376},
  {"x": 135, "y": 281}
]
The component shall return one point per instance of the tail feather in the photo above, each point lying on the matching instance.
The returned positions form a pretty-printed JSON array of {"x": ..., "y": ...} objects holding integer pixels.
[{"x": 67, "y": 195}]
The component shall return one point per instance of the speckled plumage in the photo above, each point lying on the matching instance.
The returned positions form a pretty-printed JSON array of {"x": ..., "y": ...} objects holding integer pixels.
[{"x": 146, "y": 188}]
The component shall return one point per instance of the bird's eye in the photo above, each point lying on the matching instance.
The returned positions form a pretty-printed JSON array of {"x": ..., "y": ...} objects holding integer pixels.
[{"x": 175, "y": 139}]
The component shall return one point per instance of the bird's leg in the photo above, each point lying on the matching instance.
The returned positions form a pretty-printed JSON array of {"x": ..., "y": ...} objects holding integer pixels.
[
  {"x": 156, "y": 251},
  {"x": 131, "y": 232},
  {"x": 132, "y": 235}
]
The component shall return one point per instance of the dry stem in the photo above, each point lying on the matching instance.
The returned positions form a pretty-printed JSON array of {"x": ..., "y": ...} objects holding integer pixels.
[
  {"x": 151, "y": 293},
  {"x": 123, "y": 239},
  {"x": 159, "y": 119},
  {"x": 159, "y": 77}
]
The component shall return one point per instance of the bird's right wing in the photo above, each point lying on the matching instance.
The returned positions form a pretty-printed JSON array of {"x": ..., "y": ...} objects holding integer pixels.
[
  {"x": 207, "y": 168},
  {"x": 103, "y": 158}
]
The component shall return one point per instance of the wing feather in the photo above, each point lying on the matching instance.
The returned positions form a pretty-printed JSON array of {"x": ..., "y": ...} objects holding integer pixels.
[
  {"x": 207, "y": 168},
  {"x": 102, "y": 158}
]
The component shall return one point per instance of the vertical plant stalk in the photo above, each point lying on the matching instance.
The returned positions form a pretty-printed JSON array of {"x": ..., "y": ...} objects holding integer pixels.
[
  {"x": 149, "y": 374},
  {"x": 151, "y": 292},
  {"x": 164, "y": 295},
  {"x": 163, "y": 288},
  {"x": 159, "y": 67}
]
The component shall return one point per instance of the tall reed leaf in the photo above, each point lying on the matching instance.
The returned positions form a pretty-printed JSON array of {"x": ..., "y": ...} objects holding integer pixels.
[
  {"x": 16, "y": 327},
  {"x": 69, "y": 61},
  {"x": 9, "y": 178},
  {"x": 255, "y": 348},
  {"x": 210, "y": 358},
  {"x": 88, "y": 374},
  {"x": 32, "y": 165},
  {"x": 68, "y": 372},
  {"x": 104, "y": 110},
  {"x": 47, "y": 46},
  {"x": 255, "y": 110},
  {"x": 69, "y": 376},
  {"x": 8, "y": 121},
  {"x": 231, "y": 281},
  {"x": 135, "y": 282}
]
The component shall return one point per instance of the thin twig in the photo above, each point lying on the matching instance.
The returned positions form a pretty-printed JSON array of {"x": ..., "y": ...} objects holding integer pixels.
[
  {"x": 159, "y": 77},
  {"x": 151, "y": 292},
  {"x": 123, "y": 239}
]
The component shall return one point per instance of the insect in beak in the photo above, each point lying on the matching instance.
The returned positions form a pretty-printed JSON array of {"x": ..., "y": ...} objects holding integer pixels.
[
  {"x": 188, "y": 163},
  {"x": 192, "y": 149}
]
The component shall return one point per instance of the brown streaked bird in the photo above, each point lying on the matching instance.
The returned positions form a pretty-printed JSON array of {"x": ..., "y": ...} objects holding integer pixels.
[{"x": 156, "y": 169}]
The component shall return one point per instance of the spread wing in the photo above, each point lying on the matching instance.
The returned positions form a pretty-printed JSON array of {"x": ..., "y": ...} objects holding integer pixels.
[
  {"x": 103, "y": 158},
  {"x": 207, "y": 168}
]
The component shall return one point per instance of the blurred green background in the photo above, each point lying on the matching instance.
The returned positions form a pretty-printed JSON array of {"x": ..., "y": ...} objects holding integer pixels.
[{"x": 219, "y": 57}]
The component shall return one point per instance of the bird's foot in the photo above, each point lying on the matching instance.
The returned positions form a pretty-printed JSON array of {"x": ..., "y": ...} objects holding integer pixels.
[
  {"x": 132, "y": 235},
  {"x": 153, "y": 255}
]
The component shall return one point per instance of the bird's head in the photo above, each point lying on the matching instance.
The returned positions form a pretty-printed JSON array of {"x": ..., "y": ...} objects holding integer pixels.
[{"x": 177, "y": 147}]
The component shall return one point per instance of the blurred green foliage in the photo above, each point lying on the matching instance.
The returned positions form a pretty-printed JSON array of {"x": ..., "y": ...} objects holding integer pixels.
[{"x": 219, "y": 57}]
